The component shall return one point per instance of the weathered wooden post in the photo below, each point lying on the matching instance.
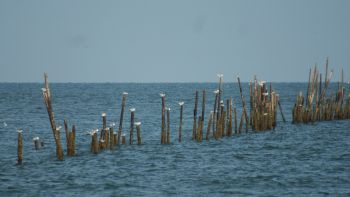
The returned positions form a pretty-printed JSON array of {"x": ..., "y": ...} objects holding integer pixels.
[
  {"x": 111, "y": 135},
  {"x": 163, "y": 137},
  {"x": 229, "y": 112},
  {"x": 180, "y": 127},
  {"x": 235, "y": 117},
  {"x": 48, "y": 104},
  {"x": 94, "y": 143},
  {"x": 123, "y": 139},
  {"x": 102, "y": 141},
  {"x": 20, "y": 147},
  {"x": 132, "y": 110},
  {"x": 125, "y": 94},
  {"x": 59, "y": 150},
  {"x": 202, "y": 117},
  {"x": 280, "y": 107},
  {"x": 67, "y": 136},
  {"x": 72, "y": 141},
  {"x": 221, "y": 76},
  {"x": 211, "y": 117},
  {"x": 168, "y": 126},
  {"x": 138, "y": 128},
  {"x": 194, "y": 130},
  {"x": 37, "y": 143},
  {"x": 243, "y": 104},
  {"x": 216, "y": 92}
]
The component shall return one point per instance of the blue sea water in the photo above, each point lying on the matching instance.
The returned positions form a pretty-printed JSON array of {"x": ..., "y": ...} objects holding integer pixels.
[{"x": 292, "y": 160}]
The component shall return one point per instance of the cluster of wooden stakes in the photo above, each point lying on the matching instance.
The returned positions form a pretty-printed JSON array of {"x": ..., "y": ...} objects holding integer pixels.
[
  {"x": 318, "y": 105},
  {"x": 222, "y": 121}
]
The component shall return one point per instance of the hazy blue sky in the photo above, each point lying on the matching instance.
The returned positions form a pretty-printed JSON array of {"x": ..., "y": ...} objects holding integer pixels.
[{"x": 171, "y": 41}]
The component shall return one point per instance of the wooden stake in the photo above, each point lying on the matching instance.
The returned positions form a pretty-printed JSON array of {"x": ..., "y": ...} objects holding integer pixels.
[
  {"x": 132, "y": 110},
  {"x": 120, "y": 130},
  {"x": 180, "y": 127},
  {"x": 194, "y": 130},
  {"x": 123, "y": 139},
  {"x": 243, "y": 103},
  {"x": 138, "y": 128},
  {"x": 168, "y": 126},
  {"x": 48, "y": 104},
  {"x": 20, "y": 148},
  {"x": 163, "y": 137},
  {"x": 211, "y": 117}
]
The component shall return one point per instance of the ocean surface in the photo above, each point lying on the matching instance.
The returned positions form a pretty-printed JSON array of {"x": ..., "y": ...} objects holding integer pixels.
[{"x": 292, "y": 160}]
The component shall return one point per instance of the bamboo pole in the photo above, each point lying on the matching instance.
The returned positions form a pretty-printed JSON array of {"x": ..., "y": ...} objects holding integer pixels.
[
  {"x": 72, "y": 142},
  {"x": 211, "y": 117},
  {"x": 202, "y": 117},
  {"x": 59, "y": 150},
  {"x": 243, "y": 103},
  {"x": 20, "y": 147},
  {"x": 168, "y": 126},
  {"x": 221, "y": 76},
  {"x": 104, "y": 125},
  {"x": 132, "y": 116},
  {"x": 229, "y": 112},
  {"x": 280, "y": 107},
  {"x": 120, "y": 130},
  {"x": 194, "y": 130},
  {"x": 67, "y": 136},
  {"x": 94, "y": 143},
  {"x": 162, "y": 139},
  {"x": 180, "y": 127},
  {"x": 216, "y": 92},
  {"x": 235, "y": 117},
  {"x": 123, "y": 139},
  {"x": 111, "y": 135},
  {"x": 138, "y": 128},
  {"x": 48, "y": 104}
]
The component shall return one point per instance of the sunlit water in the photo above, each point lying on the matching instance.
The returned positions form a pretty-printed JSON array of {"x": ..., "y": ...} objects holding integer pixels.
[{"x": 293, "y": 160}]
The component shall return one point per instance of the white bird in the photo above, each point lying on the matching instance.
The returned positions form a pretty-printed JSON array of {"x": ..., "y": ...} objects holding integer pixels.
[
  {"x": 125, "y": 93},
  {"x": 36, "y": 138},
  {"x": 58, "y": 128},
  {"x": 216, "y": 91},
  {"x": 220, "y": 75},
  {"x": 181, "y": 103},
  {"x": 43, "y": 89},
  {"x": 168, "y": 109},
  {"x": 112, "y": 124},
  {"x": 19, "y": 130},
  {"x": 103, "y": 114},
  {"x": 132, "y": 109},
  {"x": 265, "y": 93},
  {"x": 137, "y": 123},
  {"x": 261, "y": 83},
  {"x": 162, "y": 95},
  {"x": 5, "y": 125}
]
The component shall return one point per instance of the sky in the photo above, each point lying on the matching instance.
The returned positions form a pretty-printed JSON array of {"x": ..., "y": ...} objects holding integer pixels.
[{"x": 172, "y": 41}]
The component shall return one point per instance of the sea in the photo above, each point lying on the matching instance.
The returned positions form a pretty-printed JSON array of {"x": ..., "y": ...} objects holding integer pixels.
[{"x": 292, "y": 160}]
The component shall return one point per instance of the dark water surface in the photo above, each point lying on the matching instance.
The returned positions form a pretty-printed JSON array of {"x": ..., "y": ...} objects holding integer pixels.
[{"x": 293, "y": 160}]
